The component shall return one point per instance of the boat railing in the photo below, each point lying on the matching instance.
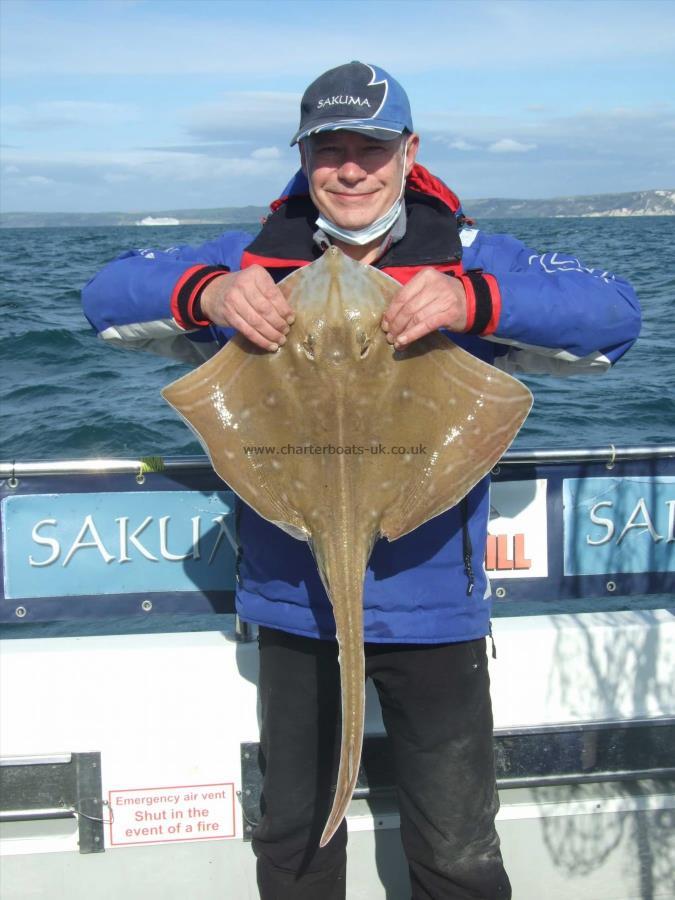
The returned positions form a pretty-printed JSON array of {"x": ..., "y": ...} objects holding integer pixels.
[{"x": 609, "y": 455}]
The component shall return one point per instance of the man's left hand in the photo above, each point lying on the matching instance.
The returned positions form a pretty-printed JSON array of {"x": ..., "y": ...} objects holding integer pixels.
[{"x": 430, "y": 300}]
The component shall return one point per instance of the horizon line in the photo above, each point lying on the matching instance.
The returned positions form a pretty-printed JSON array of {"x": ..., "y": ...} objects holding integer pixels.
[{"x": 265, "y": 206}]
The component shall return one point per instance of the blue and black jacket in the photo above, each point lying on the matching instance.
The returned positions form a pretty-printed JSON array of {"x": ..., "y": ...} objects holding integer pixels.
[{"x": 528, "y": 312}]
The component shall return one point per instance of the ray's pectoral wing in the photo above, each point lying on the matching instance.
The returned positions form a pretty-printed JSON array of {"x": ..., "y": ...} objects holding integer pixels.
[
  {"x": 237, "y": 405},
  {"x": 478, "y": 414}
]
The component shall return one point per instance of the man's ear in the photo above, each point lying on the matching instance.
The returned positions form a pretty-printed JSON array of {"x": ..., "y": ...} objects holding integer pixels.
[{"x": 411, "y": 155}]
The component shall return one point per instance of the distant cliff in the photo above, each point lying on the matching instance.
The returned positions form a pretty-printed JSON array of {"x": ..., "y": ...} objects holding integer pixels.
[
  {"x": 635, "y": 203},
  {"x": 228, "y": 215}
]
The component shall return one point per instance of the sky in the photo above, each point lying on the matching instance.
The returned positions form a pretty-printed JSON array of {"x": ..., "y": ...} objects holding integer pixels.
[{"x": 151, "y": 105}]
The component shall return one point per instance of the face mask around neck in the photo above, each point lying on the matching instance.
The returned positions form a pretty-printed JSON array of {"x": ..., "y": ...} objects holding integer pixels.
[{"x": 376, "y": 229}]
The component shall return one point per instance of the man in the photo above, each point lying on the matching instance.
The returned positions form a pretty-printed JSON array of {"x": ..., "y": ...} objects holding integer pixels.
[{"x": 426, "y": 598}]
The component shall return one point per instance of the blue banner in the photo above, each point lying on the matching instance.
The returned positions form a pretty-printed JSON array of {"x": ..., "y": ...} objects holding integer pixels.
[
  {"x": 61, "y": 545},
  {"x": 111, "y": 545},
  {"x": 86, "y": 546},
  {"x": 619, "y": 525}
]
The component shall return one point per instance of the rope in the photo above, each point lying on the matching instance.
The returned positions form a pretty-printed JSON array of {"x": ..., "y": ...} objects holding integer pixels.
[{"x": 151, "y": 464}]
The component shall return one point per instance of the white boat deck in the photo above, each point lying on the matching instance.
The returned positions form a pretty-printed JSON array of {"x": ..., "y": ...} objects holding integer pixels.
[{"x": 168, "y": 713}]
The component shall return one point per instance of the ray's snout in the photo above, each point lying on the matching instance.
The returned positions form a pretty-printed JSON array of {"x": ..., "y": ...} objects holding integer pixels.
[{"x": 338, "y": 311}]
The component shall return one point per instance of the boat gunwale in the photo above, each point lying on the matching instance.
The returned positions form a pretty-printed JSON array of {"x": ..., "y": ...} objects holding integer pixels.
[{"x": 108, "y": 465}]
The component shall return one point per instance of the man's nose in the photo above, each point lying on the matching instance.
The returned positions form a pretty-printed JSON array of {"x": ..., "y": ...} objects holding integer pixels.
[{"x": 351, "y": 170}]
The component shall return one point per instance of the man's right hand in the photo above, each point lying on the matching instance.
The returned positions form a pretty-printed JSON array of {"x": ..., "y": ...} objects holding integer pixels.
[{"x": 251, "y": 302}]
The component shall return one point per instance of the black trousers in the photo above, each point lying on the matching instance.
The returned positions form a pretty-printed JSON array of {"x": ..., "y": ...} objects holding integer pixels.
[{"x": 438, "y": 716}]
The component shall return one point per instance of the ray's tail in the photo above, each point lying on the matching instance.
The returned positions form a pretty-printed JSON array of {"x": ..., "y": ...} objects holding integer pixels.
[
  {"x": 352, "y": 684},
  {"x": 343, "y": 578}
]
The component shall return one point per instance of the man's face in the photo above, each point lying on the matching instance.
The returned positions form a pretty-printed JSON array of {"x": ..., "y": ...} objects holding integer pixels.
[{"x": 354, "y": 179}]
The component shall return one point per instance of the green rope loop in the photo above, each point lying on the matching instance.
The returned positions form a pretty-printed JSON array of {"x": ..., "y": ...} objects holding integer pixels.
[{"x": 152, "y": 464}]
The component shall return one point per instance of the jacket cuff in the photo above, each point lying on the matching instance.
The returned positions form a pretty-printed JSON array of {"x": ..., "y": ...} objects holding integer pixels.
[
  {"x": 483, "y": 302},
  {"x": 185, "y": 298}
]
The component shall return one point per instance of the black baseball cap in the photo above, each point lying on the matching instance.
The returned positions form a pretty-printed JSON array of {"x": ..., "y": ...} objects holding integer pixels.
[{"x": 355, "y": 97}]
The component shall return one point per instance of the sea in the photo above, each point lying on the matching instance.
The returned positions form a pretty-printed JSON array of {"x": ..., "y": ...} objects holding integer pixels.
[{"x": 66, "y": 395}]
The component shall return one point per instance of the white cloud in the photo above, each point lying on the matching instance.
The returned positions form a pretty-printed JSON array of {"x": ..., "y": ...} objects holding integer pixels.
[
  {"x": 508, "y": 145},
  {"x": 454, "y": 144},
  {"x": 266, "y": 153},
  {"x": 83, "y": 180},
  {"x": 461, "y": 144},
  {"x": 599, "y": 150},
  {"x": 55, "y": 114},
  {"x": 253, "y": 112},
  {"x": 595, "y": 126},
  {"x": 151, "y": 166}
]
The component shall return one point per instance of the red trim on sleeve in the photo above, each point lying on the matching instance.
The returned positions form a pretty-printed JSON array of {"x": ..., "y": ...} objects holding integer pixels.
[
  {"x": 196, "y": 291},
  {"x": 470, "y": 302},
  {"x": 496, "y": 296},
  {"x": 175, "y": 311}
]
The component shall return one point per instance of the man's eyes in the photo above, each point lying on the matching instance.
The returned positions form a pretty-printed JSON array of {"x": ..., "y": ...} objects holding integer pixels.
[{"x": 334, "y": 151}]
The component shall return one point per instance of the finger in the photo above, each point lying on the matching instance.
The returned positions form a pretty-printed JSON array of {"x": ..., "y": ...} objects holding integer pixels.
[
  {"x": 245, "y": 300},
  {"x": 431, "y": 321},
  {"x": 265, "y": 307},
  {"x": 411, "y": 312},
  {"x": 259, "y": 321},
  {"x": 253, "y": 334},
  {"x": 416, "y": 308},
  {"x": 239, "y": 306},
  {"x": 402, "y": 297},
  {"x": 269, "y": 289}
]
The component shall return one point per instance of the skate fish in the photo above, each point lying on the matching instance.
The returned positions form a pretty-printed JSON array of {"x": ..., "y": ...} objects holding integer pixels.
[{"x": 411, "y": 433}]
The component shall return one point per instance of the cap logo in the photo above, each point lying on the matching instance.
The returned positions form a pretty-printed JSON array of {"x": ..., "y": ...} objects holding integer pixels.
[{"x": 342, "y": 100}]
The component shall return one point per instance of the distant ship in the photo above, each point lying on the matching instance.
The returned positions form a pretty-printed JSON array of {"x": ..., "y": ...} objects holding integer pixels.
[{"x": 160, "y": 220}]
